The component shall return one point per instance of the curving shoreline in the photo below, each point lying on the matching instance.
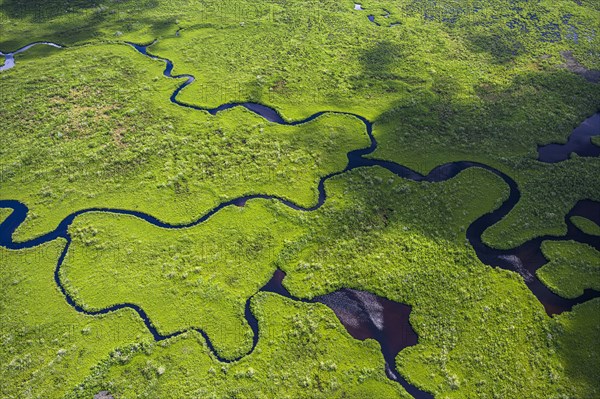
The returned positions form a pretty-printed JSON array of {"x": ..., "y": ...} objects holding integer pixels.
[
  {"x": 519, "y": 259},
  {"x": 9, "y": 58},
  {"x": 579, "y": 142}
]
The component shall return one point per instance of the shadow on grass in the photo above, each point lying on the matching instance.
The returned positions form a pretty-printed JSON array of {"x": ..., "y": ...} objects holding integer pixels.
[
  {"x": 497, "y": 122},
  {"x": 70, "y": 22},
  {"x": 501, "y": 44},
  {"x": 40, "y": 11}
]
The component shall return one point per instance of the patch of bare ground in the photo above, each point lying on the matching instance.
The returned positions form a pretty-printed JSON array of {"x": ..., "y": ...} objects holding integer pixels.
[{"x": 574, "y": 66}]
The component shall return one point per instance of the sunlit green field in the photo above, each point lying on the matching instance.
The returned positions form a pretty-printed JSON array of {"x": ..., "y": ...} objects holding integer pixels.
[{"x": 91, "y": 126}]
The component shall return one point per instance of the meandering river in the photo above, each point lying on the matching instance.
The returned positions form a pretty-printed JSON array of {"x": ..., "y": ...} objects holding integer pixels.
[{"x": 363, "y": 314}]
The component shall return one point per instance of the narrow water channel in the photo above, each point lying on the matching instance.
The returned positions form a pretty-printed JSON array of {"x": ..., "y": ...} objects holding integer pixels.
[{"x": 363, "y": 314}]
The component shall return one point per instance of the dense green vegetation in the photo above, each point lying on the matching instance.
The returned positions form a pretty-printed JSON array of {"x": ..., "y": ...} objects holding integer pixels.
[
  {"x": 81, "y": 21},
  {"x": 433, "y": 101},
  {"x": 565, "y": 183},
  {"x": 586, "y": 225},
  {"x": 576, "y": 337},
  {"x": 199, "y": 277},
  {"x": 573, "y": 267},
  {"x": 467, "y": 80},
  {"x": 4, "y": 213},
  {"x": 91, "y": 125},
  {"x": 47, "y": 347},
  {"x": 303, "y": 352},
  {"x": 106, "y": 136},
  {"x": 376, "y": 232},
  {"x": 481, "y": 331}
]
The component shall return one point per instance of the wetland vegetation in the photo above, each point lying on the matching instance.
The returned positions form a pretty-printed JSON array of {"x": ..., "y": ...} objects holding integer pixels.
[
  {"x": 573, "y": 267},
  {"x": 145, "y": 230}
]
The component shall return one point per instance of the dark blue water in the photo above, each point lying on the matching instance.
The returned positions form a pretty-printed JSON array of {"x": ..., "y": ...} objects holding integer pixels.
[
  {"x": 367, "y": 308},
  {"x": 579, "y": 142}
]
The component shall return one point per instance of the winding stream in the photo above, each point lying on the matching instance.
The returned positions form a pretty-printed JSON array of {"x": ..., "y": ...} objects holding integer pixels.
[
  {"x": 363, "y": 314},
  {"x": 9, "y": 58}
]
